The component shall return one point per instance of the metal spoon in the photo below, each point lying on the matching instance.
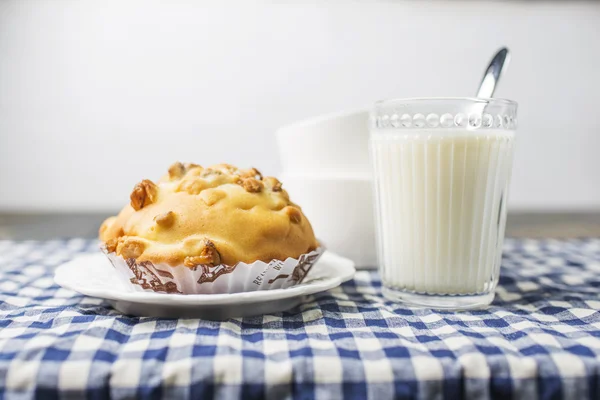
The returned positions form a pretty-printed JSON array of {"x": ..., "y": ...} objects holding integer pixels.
[{"x": 493, "y": 73}]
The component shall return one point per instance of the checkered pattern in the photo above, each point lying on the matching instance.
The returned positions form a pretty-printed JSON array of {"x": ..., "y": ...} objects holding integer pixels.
[{"x": 540, "y": 339}]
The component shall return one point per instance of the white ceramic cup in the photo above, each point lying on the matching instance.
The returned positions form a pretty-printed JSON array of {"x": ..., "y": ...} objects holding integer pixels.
[
  {"x": 335, "y": 145},
  {"x": 326, "y": 170}
]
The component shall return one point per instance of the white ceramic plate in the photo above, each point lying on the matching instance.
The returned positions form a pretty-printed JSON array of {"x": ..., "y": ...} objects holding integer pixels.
[{"x": 94, "y": 275}]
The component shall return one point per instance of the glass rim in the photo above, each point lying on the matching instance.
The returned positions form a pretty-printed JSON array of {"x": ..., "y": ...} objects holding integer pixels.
[{"x": 487, "y": 100}]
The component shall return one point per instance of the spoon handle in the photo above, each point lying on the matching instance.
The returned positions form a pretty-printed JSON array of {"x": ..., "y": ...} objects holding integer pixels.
[{"x": 493, "y": 72}]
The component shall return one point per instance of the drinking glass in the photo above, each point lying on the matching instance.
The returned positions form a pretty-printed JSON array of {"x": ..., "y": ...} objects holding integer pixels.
[{"x": 441, "y": 170}]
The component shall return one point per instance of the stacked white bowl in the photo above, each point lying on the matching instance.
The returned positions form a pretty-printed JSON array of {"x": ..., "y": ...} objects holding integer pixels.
[{"x": 326, "y": 170}]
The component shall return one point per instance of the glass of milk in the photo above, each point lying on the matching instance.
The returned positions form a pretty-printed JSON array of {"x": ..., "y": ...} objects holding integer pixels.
[{"x": 441, "y": 176}]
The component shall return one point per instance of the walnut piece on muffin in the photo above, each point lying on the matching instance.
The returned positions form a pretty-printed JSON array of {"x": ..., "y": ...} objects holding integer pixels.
[{"x": 206, "y": 216}]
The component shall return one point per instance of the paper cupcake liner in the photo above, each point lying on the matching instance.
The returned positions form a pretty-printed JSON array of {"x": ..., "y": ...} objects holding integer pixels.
[{"x": 146, "y": 276}]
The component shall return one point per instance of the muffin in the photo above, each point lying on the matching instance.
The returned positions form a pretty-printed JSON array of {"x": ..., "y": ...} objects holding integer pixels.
[{"x": 210, "y": 230}]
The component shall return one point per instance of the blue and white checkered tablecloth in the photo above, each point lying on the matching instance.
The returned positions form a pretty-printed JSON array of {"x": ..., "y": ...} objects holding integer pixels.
[{"x": 540, "y": 339}]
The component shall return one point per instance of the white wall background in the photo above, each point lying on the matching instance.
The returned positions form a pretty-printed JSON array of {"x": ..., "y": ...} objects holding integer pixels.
[{"x": 96, "y": 95}]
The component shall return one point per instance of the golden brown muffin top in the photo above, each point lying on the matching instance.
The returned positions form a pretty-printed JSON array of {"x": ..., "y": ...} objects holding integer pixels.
[{"x": 220, "y": 214}]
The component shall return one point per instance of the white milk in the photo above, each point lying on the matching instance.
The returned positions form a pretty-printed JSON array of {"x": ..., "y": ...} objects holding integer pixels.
[{"x": 441, "y": 208}]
